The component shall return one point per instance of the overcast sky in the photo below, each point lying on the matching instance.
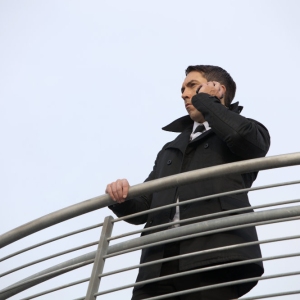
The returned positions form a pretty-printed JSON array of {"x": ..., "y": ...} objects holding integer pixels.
[{"x": 85, "y": 87}]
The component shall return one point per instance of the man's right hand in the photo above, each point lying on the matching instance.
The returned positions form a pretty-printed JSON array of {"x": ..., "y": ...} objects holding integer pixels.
[{"x": 118, "y": 190}]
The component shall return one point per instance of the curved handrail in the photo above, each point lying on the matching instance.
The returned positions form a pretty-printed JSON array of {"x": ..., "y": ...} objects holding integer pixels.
[
  {"x": 89, "y": 205},
  {"x": 184, "y": 232}
]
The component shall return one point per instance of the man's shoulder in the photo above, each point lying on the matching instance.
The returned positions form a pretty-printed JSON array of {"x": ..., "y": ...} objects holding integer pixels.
[
  {"x": 257, "y": 123},
  {"x": 167, "y": 144}
]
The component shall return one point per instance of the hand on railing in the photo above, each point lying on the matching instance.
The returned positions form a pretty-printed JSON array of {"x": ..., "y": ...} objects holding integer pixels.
[{"x": 118, "y": 190}]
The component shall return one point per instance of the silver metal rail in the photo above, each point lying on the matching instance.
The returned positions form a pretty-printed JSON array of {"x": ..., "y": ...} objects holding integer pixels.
[
  {"x": 165, "y": 260},
  {"x": 196, "y": 271},
  {"x": 99, "y": 261},
  {"x": 185, "y": 232},
  {"x": 50, "y": 241},
  {"x": 199, "y": 253},
  {"x": 92, "y": 204},
  {"x": 224, "y": 284},
  {"x": 201, "y": 226},
  {"x": 47, "y": 258},
  {"x": 207, "y": 198},
  {"x": 220, "y": 214}
]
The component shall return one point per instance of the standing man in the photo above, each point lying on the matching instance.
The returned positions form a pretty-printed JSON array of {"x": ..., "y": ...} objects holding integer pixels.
[{"x": 212, "y": 133}]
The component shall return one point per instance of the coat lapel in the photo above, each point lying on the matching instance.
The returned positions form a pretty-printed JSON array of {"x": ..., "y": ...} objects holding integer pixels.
[{"x": 181, "y": 141}]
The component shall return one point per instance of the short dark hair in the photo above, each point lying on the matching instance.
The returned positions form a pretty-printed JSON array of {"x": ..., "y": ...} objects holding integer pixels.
[{"x": 214, "y": 73}]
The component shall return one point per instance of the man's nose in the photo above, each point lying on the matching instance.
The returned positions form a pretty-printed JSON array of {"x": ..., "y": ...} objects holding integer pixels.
[{"x": 186, "y": 95}]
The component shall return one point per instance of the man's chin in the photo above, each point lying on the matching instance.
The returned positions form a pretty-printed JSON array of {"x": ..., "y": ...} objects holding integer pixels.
[{"x": 197, "y": 117}]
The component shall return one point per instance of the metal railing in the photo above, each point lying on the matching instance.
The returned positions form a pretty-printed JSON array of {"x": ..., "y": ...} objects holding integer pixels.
[{"x": 201, "y": 226}]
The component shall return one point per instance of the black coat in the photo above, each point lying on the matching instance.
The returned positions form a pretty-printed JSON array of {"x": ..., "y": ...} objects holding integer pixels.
[{"x": 231, "y": 138}]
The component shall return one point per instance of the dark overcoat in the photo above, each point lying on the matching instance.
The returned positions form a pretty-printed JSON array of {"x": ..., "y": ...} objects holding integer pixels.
[{"x": 231, "y": 138}]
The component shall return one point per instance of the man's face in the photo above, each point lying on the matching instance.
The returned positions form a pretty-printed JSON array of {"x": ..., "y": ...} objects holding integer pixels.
[{"x": 189, "y": 87}]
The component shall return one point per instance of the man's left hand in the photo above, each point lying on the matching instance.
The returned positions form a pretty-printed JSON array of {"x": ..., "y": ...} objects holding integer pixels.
[{"x": 213, "y": 88}]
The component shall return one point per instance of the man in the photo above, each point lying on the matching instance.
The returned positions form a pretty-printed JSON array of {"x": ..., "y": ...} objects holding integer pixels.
[{"x": 213, "y": 133}]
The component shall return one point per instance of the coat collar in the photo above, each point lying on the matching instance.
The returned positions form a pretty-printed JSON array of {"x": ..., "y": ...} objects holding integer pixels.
[
  {"x": 186, "y": 122},
  {"x": 181, "y": 141}
]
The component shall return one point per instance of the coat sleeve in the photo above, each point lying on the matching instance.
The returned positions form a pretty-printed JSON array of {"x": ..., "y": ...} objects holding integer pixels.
[
  {"x": 244, "y": 137},
  {"x": 138, "y": 204},
  {"x": 131, "y": 206}
]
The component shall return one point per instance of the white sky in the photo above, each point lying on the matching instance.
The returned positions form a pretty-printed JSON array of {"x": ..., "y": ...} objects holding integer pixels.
[{"x": 85, "y": 87}]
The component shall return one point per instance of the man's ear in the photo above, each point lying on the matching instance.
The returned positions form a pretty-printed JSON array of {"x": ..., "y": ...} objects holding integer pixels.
[{"x": 222, "y": 99}]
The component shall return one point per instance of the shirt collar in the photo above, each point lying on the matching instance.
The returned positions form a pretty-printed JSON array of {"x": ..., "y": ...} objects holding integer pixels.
[{"x": 196, "y": 124}]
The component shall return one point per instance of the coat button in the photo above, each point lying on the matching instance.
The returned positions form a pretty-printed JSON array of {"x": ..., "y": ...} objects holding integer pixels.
[
  {"x": 169, "y": 162},
  {"x": 150, "y": 222},
  {"x": 206, "y": 146}
]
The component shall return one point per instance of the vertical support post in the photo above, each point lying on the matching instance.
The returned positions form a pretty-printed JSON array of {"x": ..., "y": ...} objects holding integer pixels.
[{"x": 99, "y": 261}]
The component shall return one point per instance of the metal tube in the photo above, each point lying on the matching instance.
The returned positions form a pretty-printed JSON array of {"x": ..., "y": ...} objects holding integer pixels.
[
  {"x": 206, "y": 198},
  {"x": 159, "y": 226},
  {"x": 50, "y": 240},
  {"x": 223, "y": 284},
  {"x": 272, "y": 295},
  {"x": 149, "y": 187},
  {"x": 203, "y": 226},
  {"x": 219, "y": 214},
  {"x": 201, "y": 234},
  {"x": 47, "y": 258},
  {"x": 199, "y": 253},
  {"x": 195, "y": 271},
  {"x": 21, "y": 286},
  {"x": 57, "y": 288},
  {"x": 88, "y": 257},
  {"x": 99, "y": 261},
  {"x": 138, "y": 231}
]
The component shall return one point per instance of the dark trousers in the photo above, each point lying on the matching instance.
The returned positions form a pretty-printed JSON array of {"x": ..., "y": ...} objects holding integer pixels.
[{"x": 191, "y": 281}]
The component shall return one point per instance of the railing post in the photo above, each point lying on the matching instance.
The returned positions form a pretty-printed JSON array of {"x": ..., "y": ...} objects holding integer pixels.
[{"x": 99, "y": 261}]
